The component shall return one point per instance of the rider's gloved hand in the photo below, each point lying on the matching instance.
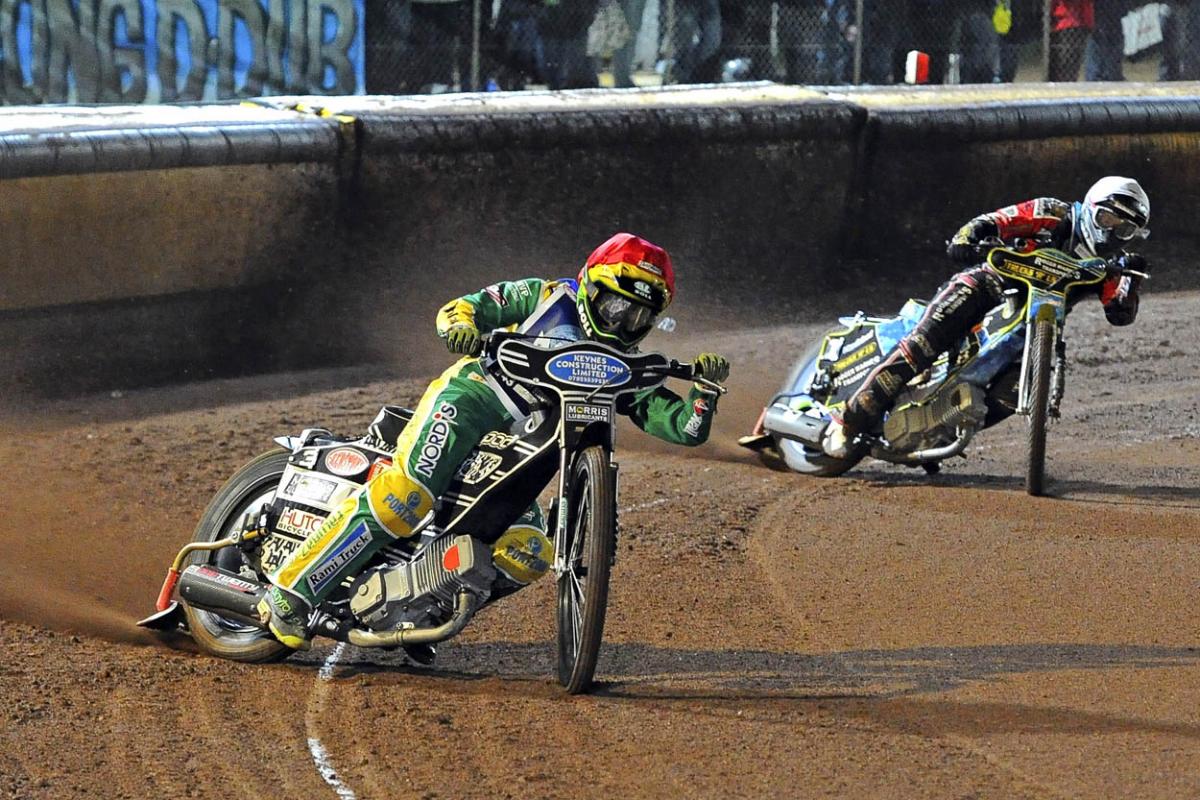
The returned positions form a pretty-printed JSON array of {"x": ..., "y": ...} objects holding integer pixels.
[
  {"x": 1132, "y": 261},
  {"x": 963, "y": 253},
  {"x": 463, "y": 338},
  {"x": 711, "y": 366}
]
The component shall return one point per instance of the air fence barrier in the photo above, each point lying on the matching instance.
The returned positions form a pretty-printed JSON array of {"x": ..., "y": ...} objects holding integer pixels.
[{"x": 154, "y": 244}]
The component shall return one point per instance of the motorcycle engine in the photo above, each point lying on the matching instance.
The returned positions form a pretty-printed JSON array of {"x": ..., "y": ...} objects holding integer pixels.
[
  {"x": 933, "y": 424},
  {"x": 422, "y": 591}
]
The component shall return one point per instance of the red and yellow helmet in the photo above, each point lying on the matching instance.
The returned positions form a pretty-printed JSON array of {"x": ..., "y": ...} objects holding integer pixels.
[{"x": 625, "y": 284}]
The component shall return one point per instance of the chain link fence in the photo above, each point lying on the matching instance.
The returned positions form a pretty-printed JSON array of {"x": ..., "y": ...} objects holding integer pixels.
[{"x": 421, "y": 46}]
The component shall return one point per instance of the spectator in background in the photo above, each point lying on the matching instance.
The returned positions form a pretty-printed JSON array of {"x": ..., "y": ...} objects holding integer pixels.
[
  {"x": 1179, "y": 58},
  {"x": 802, "y": 40},
  {"x": 520, "y": 57},
  {"x": 564, "y": 33},
  {"x": 1106, "y": 48},
  {"x": 438, "y": 53},
  {"x": 978, "y": 42},
  {"x": 841, "y": 37},
  {"x": 1072, "y": 22},
  {"x": 697, "y": 36},
  {"x": 886, "y": 26},
  {"x": 622, "y": 63}
]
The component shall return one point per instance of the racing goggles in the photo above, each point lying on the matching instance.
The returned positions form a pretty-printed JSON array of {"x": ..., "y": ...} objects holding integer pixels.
[
  {"x": 627, "y": 319},
  {"x": 1109, "y": 220}
]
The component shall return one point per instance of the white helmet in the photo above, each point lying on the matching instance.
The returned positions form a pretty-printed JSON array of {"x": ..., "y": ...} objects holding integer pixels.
[{"x": 1115, "y": 211}]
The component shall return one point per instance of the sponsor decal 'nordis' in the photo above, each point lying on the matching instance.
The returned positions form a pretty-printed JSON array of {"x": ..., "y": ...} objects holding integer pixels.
[{"x": 435, "y": 439}]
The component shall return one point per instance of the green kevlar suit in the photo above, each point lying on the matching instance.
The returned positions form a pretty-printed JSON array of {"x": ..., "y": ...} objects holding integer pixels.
[{"x": 456, "y": 411}]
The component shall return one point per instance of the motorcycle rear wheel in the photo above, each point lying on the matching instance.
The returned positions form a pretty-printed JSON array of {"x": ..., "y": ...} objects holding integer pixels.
[
  {"x": 250, "y": 487},
  {"x": 1041, "y": 356},
  {"x": 583, "y": 587},
  {"x": 808, "y": 460}
]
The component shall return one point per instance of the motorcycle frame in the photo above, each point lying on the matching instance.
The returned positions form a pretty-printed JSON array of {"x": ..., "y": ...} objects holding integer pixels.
[
  {"x": 514, "y": 359},
  {"x": 1049, "y": 276}
]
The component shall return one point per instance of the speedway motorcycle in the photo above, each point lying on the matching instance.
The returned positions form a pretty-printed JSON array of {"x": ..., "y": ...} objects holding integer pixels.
[
  {"x": 1014, "y": 362},
  {"x": 425, "y": 589}
]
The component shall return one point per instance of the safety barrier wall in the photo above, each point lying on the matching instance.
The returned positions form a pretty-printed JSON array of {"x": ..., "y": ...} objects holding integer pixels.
[
  {"x": 152, "y": 244},
  {"x": 137, "y": 244}
]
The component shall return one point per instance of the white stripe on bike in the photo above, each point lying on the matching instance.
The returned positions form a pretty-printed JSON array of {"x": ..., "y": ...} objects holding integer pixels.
[{"x": 320, "y": 756}]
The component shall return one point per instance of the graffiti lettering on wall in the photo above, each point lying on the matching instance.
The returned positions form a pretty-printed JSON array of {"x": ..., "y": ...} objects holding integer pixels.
[{"x": 136, "y": 51}]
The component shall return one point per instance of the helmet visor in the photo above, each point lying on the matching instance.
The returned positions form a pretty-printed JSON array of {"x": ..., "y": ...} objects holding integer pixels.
[
  {"x": 621, "y": 316},
  {"x": 1109, "y": 220}
]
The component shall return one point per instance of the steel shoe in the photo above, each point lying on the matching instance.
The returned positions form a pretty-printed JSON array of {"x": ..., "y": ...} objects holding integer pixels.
[
  {"x": 836, "y": 441},
  {"x": 423, "y": 654},
  {"x": 278, "y": 610}
]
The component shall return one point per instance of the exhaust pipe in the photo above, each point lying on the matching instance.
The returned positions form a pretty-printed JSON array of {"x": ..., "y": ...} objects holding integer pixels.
[
  {"x": 792, "y": 425},
  {"x": 962, "y": 438},
  {"x": 222, "y": 592},
  {"x": 213, "y": 589},
  {"x": 464, "y": 609}
]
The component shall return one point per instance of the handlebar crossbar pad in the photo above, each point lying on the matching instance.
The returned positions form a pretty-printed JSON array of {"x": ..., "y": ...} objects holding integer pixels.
[{"x": 578, "y": 366}]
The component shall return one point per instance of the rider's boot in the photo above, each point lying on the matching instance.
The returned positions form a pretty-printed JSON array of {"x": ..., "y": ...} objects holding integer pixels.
[
  {"x": 283, "y": 612},
  {"x": 836, "y": 439}
]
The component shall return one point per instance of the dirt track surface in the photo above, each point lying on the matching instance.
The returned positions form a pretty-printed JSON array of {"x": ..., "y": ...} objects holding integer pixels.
[{"x": 885, "y": 634}]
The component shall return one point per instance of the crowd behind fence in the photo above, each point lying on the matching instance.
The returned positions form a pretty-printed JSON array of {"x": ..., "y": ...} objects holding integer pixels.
[{"x": 423, "y": 46}]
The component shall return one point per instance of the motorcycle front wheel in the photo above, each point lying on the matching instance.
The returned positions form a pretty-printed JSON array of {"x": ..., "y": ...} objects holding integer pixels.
[
  {"x": 250, "y": 487},
  {"x": 1041, "y": 358},
  {"x": 583, "y": 586}
]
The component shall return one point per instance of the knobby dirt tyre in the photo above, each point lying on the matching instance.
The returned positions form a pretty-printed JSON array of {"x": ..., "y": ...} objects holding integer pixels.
[
  {"x": 583, "y": 587},
  {"x": 1041, "y": 355},
  {"x": 212, "y": 633}
]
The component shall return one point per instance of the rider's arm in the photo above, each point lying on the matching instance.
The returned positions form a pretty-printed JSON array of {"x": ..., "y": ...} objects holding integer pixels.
[
  {"x": 665, "y": 415},
  {"x": 498, "y": 306},
  {"x": 1023, "y": 220}
]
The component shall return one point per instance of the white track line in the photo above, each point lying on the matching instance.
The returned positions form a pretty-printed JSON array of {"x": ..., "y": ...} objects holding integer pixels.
[
  {"x": 320, "y": 756},
  {"x": 648, "y": 504}
]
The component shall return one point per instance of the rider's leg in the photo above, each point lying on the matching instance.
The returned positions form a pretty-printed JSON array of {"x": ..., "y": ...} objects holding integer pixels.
[
  {"x": 523, "y": 553},
  {"x": 958, "y": 306},
  {"x": 455, "y": 412}
]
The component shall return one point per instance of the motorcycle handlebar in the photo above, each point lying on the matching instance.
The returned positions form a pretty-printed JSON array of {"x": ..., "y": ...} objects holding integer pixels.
[
  {"x": 687, "y": 372},
  {"x": 674, "y": 369}
]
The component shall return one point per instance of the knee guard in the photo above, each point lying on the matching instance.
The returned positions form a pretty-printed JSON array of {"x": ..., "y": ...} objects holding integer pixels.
[{"x": 523, "y": 553}]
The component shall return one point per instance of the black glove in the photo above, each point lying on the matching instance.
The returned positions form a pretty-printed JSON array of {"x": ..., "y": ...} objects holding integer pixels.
[
  {"x": 1132, "y": 261},
  {"x": 963, "y": 252}
]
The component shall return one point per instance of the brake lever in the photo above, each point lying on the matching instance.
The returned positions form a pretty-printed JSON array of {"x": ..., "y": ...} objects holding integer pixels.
[
  {"x": 676, "y": 370},
  {"x": 716, "y": 387}
]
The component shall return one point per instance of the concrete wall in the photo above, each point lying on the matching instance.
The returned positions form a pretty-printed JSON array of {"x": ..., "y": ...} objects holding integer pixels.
[{"x": 145, "y": 245}]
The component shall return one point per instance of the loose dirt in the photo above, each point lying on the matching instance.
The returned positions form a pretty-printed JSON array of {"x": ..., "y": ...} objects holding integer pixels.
[{"x": 886, "y": 634}]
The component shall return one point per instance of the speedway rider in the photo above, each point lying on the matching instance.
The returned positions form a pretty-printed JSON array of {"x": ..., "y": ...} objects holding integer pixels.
[
  {"x": 1114, "y": 213},
  {"x": 624, "y": 285}
]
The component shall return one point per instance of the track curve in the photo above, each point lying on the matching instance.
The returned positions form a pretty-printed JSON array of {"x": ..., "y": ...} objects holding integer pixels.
[{"x": 879, "y": 634}]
